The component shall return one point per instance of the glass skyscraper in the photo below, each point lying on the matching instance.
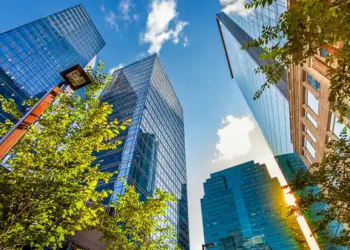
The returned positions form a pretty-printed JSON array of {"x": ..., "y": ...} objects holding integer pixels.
[
  {"x": 253, "y": 22},
  {"x": 152, "y": 154},
  {"x": 237, "y": 242},
  {"x": 245, "y": 200},
  {"x": 290, "y": 165},
  {"x": 33, "y": 55},
  {"x": 271, "y": 110}
]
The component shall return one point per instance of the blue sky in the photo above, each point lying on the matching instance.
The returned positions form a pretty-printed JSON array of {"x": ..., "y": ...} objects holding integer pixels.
[{"x": 217, "y": 120}]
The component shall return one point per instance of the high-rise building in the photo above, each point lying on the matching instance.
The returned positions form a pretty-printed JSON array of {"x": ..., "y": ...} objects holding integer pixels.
[
  {"x": 271, "y": 110},
  {"x": 33, "y": 55},
  {"x": 9, "y": 90},
  {"x": 290, "y": 165},
  {"x": 152, "y": 153},
  {"x": 246, "y": 199},
  {"x": 237, "y": 242}
]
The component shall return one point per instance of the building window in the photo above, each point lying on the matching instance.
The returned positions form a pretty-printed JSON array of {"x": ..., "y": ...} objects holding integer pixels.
[
  {"x": 311, "y": 119},
  {"x": 313, "y": 82},
  {"x": 309, "y": 148},
  {"x": 335, "y": 126},
  {"x": 308, "y": 158},
  {"x": 312, "y": 101},
  {"x": 308, "y": 132}
]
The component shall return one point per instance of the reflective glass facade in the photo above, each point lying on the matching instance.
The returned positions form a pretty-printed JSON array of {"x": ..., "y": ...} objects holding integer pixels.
[
  {"x": 245, "y": 199},
  {"x": 253, "y": 23},
  {"x": 237, "y": 242},
  {"x": 152, "y": 154},
  {"x": 271, "y": 110},
  {"x": 33, "y": 55},
  {"x": 10, "y": 91},
  {"x": 290, "y": 164}
]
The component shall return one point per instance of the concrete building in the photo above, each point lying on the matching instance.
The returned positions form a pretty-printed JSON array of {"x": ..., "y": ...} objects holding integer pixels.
[{"x": 313, "y": 124}]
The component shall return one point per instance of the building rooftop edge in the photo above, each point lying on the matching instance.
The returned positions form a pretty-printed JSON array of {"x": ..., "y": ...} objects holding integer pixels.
[
  {"x": 242, "y": 37},
  {"x": 248, "y": 163},
  {"x": 42, "y": 18}
]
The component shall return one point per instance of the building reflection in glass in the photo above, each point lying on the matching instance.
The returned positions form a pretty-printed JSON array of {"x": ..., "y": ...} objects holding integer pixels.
[
  {"x": 247, "y": 200},
  {"x": 152, "y": 154}
]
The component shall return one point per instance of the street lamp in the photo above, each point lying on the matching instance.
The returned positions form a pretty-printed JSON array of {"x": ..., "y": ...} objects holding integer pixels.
[
  {"x": 209, "y": 245},
  {"x": 75, "y": 78}
]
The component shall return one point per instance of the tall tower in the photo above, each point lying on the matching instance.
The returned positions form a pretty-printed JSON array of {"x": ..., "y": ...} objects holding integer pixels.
[
  {"x": 152, "y": 154},
  {"x": 271, "y": 110},
  {"x": 243, "y": 201},
  {"x": 33, "y": 55}
]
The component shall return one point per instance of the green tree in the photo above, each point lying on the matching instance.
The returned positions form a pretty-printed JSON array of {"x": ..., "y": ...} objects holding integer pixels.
[
  {"x": 306, "y": 27},
  {"x": 327, "y": 184},
  {"x": 50, "y": 191},
  {"x": 9, "y": 107},
  {"x": 52, "y": 175},
  {"x": 139, "y": 225}
]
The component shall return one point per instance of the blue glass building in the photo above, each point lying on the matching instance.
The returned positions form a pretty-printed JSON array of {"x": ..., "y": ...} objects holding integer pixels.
[
  {"x": 253, "y": 22},
  {"x": 245, "y": 199},
  {"x": 236, "y": 241},
  {"x": 152, "y": 154},
  {"x": 33, "y": 55},
  {"x": 271, "y": 110},
  {"x": 290, "y": 165}
]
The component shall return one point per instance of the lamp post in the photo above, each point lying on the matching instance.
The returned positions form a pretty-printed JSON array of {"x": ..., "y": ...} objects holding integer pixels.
[
  {"x": 75, "y": 77},
  {"x": 209, "y": 245}
]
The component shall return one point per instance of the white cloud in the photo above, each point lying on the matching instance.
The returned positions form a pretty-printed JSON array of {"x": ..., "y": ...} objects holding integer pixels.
[
  {"x": 124, "y": 8},
  {"x": 235, "y": 7},
  {"x": 186, "y": 42},
  {"x": 234, "y": 137},
  {"x": 111, "y": 20},
  {"x": 92, "y": 63},
  {"x": 119, "y": 66},
  {"x": 140, "y": 56},
  {"x": 179, "y": 27},
  {"x": 162, "y": 13},
  {"x": 123, "y": 14}
]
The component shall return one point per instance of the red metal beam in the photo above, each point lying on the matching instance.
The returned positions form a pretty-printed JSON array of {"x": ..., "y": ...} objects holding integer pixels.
[
  {"x": 224, "y": 44},
  {"x": 22, "y": 126}
]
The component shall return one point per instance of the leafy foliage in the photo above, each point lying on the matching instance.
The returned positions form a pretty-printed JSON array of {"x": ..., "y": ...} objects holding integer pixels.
[
  {"x": 52, "y": 175},
  {"x": 8, "y": 106},
  {"x": 301, "y": 32},
  {"x": 50, "y": 191},
  {"x": 137, "y": 225},
  {"x": 306, "y": 27},
  {"x": 327, "y": 183}
]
